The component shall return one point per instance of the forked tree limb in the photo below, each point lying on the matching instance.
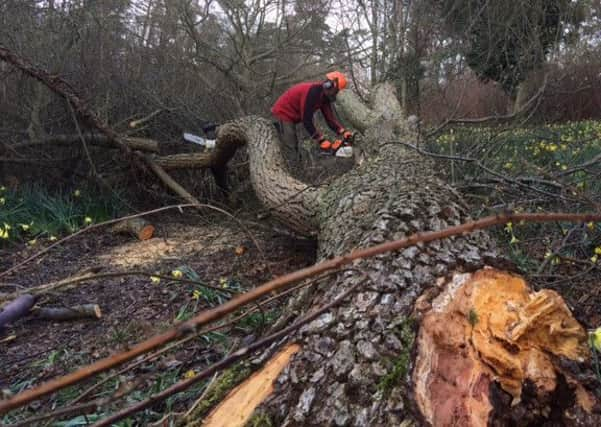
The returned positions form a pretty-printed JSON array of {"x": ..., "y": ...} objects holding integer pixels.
[{"x": 278, "y": 283}]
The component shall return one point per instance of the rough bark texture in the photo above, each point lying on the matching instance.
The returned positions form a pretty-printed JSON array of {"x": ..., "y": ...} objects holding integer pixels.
[
  {"x": 353, "y": 368},
  {"x": 291, "y": 201},
  {"x": 355, "y": 363},
  {"x": 84, "y": 311}
]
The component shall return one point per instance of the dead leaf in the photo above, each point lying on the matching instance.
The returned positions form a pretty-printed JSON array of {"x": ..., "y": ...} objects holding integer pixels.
[{"x": 240, "y": 250}]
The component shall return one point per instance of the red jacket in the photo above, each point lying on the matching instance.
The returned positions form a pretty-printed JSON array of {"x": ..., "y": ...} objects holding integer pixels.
[{"x": 299, "y": 104}]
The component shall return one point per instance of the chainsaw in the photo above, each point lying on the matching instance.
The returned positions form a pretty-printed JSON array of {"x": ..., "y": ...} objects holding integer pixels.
[{"x": 342, "y": 148}]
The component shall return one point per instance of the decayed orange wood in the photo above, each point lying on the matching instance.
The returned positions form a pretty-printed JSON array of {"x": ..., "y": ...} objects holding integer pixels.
[
  {"x": 137, "y": 227},
  {"x": 238, "y": 406},
  {"x": 490, "y": 326}
]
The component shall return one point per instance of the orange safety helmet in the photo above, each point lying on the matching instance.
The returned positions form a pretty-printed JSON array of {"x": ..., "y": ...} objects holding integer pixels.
[{"x": 338, "y": 78}]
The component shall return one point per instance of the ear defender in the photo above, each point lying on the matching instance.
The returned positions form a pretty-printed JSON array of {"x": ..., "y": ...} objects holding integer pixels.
[{"x": 329, "y": 84}]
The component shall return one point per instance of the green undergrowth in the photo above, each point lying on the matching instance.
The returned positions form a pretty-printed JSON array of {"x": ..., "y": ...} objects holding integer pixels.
[
  {"x": 260, "y": 419},
  {"x": 399, "y": 366},
  {"x": 33, "y": 212},
  {"x": 531, "y": 169},
  {"x": 527, "y": 151},
  {"x": 227, "y": 380}
]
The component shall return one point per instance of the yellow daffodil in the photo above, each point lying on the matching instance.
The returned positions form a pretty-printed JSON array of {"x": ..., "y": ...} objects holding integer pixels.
[
  {"x": 7, "y": 226},
  {"x": 223, "y": 282},
  {"x": 190, "y": 374},
  {"x": 594, "y": 259},
  {"x": 509, "y": 227},
  {"x": 594, "y": 339},
  {"x": 3, "y": 233},
  {"x": 77, "y": 193},
  {"x": 513, "y": 240},
  {"x": 52, "y": 238},
  {"x": 24, "y": 227},
  {"x": 591, "y": 225},
  {"x": 2, "y": 188},
  {"x": 155, "y": 280},
  {"x": 598, "y": 250},
  {"x": 87, "y": 220},
  {"x": 2, "y": 201},
  {"x": 177, "y": 274},
  {"x": 548, "y": 254},
  {"x": 32, "y": 242},
  {"x": 196, "y": 294},
  {"x": 563, "y": 167}
]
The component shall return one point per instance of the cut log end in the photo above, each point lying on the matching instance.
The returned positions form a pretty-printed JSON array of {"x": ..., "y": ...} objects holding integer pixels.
[
  {"x": 488, "y": 348},
  {"x": 137, "y": 227},
  {"x": 146, "y": 232}
]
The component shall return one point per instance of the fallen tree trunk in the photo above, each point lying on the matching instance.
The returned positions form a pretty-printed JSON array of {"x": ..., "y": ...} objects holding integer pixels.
[{"x": 356, "y": 361}]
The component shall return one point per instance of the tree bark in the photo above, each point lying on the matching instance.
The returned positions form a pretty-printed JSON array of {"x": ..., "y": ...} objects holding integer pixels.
[
  {"x": 355, "y": 362},
  {"x": 84, "y": 311}
]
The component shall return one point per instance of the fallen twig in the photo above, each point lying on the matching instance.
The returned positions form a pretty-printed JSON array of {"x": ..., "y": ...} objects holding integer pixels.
[{"x": 70, "y": 282}]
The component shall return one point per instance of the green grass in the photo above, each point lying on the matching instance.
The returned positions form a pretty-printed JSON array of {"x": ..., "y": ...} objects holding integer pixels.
[{"x": 33, "y": 212}]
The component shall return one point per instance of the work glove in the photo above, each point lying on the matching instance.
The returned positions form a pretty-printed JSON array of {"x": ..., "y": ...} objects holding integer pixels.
[
  {"x": 347, "y": 135},
  {"x": 325, "y": 144},
  {"x": 336, "y": 145}
]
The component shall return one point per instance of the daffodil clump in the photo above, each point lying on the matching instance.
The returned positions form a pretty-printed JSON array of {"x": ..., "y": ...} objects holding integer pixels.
[
  {"x": 518, "y": 151},
  {"x": 31, "y": 214}
]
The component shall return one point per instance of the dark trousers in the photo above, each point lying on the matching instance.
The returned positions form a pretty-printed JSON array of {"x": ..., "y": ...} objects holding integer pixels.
[{"x": 287, "y": 133}]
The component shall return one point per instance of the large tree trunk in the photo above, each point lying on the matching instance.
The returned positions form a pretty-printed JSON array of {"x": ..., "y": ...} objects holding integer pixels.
[{"x": 355, "y": 362}]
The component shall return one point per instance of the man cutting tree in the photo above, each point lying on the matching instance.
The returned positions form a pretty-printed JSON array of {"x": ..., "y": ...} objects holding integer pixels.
[{"x": 299, "y": 104}]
